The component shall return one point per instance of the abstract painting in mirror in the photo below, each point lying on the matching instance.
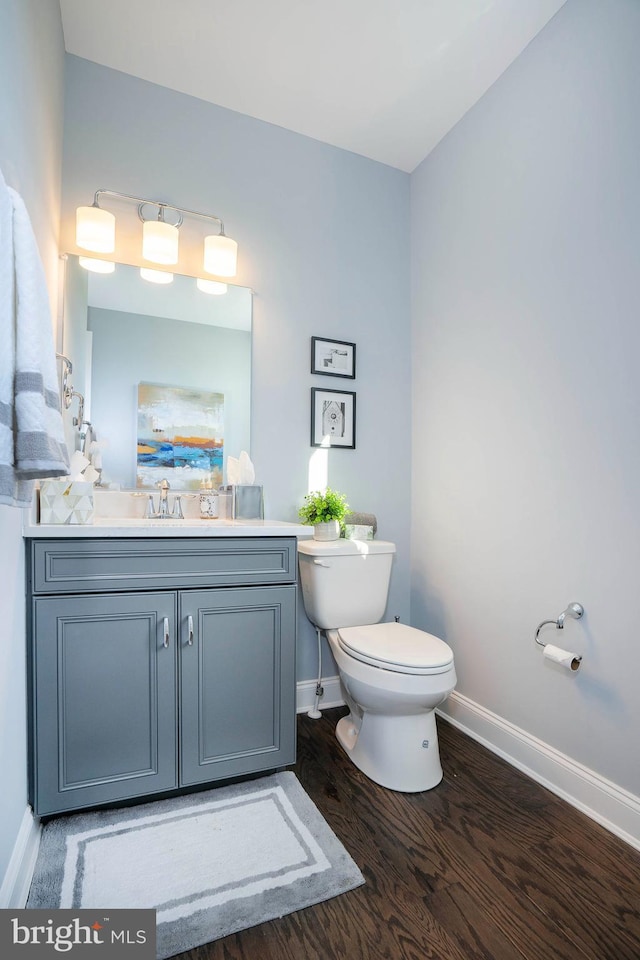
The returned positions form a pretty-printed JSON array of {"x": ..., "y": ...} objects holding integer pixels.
[
  {"x": 122, "y": 333},
  {"x": 180, "y": 437}
]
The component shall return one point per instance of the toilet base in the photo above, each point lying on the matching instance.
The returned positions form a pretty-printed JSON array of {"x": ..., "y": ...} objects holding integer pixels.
[{"x": 400, "y": 753}]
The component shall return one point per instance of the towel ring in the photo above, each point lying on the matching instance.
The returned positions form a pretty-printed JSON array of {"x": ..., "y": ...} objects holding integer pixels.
[{"x": 67, "y": 389}]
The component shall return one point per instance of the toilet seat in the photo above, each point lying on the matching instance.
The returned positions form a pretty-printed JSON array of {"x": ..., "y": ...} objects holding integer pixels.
[{"x": 397, "y": 647}]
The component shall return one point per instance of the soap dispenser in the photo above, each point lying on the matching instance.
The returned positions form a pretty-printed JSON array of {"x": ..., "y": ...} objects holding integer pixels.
[{"x": 208, "y": 501}]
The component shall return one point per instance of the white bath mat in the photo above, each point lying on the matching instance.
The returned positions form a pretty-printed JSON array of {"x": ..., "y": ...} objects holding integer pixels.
[{"x": 210, "y": 863}]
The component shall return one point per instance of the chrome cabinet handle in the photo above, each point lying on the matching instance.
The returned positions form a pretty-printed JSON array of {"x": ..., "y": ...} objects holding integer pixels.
[
  {"x": 166, "y": 633},
  {"x": 190, "y": 628}
]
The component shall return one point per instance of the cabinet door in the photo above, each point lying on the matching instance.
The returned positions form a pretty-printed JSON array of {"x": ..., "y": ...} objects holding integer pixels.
[
  {"x": 104, "y": 714},
  {"x": 237, "y": 661}
]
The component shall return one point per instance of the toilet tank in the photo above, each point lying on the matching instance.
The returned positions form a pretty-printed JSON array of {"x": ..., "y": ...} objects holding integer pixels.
[{"x": 345, "y": 583}]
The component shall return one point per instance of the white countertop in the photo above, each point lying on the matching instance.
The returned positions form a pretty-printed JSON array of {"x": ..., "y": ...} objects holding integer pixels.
[
  {"x": 136, "y": 527},
  {"x": 120, "y": 514}
]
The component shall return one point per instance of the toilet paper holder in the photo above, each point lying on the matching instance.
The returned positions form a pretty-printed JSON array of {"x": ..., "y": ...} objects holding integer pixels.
[{"x": 574, "y": 610}]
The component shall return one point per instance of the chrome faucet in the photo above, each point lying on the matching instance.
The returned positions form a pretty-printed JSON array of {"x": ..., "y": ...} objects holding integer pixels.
[
  {"x": 163, "y": 506},
  {"x": 163, "y": 512}
]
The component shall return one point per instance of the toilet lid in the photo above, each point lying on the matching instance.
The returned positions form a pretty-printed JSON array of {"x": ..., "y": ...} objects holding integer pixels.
[{"x": 397, "y": 647}]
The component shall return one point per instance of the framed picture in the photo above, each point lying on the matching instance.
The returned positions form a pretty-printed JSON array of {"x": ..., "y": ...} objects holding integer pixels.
[
  {"x": 180, "y": 436},
  {"x": 333, "y": 418},
  {"x": 333, "y": 358}
]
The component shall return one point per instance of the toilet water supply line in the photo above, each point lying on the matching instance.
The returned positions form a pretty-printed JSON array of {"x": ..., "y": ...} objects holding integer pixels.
[
  {"x": 571, "y": 661},
  {"x": 315, "y": 713}
]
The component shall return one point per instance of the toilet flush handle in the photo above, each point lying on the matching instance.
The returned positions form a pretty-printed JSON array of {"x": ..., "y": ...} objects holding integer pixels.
[{"x": 321, "y": 563}]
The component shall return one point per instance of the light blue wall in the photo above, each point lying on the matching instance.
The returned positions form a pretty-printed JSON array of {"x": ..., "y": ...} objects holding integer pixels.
[
  {"x": 31, "y": 91},
  {"x": 323, "y": 240},
  {"x": 526, "y": 338}
]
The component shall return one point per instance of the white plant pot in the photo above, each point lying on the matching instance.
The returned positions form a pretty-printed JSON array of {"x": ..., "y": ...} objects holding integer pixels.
[{"x": 327, "y": 531}]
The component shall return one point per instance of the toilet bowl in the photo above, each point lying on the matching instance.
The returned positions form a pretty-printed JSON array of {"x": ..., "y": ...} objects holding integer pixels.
[
  {"x": 393, "y": 676},
  {"x": 390, "y": 733}
]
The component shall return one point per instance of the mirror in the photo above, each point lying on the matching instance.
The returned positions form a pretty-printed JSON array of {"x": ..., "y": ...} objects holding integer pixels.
[{"x": 165, "y": 371}]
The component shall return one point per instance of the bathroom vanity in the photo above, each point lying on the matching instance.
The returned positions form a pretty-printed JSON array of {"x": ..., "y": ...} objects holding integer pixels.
[{"x": 160, "y": 658}]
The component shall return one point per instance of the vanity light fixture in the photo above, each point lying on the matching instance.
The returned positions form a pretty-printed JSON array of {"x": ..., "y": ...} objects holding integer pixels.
[
  {"x": 220, "y": 255},
  {"x": 156, "y": 276},
  {"x": 160, "y": 241},
  {"x": 95, "y": 231},
  {"x": 97, "y": 266},
  {"x": 211, "y": 286}
]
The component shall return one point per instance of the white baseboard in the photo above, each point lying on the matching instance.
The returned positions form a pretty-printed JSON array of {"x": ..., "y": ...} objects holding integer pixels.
[
  {"x": 306, "y": 694},
  {"x": 614, "y": 808},
  {"x": 17, "y": 880}
]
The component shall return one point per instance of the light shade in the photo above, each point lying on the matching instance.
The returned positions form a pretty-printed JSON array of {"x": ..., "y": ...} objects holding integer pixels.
[
  {"x": 156, "y": 276},
  {"x": 211, "y": 286},
  {"x": 159, "y": 241},
  {"x": 220, "y": 255},
  {"x": 95, "y": 229},
  {"x": 97, "y": 266}
]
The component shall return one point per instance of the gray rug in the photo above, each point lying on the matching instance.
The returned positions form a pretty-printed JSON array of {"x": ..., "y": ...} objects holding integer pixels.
[{"x": 210, "y": 863}]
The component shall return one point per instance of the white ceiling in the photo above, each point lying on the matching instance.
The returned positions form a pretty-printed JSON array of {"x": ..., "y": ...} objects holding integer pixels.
[{"x": 386, "y": 79}]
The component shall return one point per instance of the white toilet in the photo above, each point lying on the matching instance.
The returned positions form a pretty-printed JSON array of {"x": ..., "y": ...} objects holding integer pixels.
[{"x": 393, "y": 676}]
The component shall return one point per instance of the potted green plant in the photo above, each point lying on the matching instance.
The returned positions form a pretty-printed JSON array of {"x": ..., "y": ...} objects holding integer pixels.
[{"x": 325, "y": 511}]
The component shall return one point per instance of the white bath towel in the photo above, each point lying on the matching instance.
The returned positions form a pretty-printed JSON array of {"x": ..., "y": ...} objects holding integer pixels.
[
  {"x": 31, "y": 431},
  {"x": 12, "y": 491}
]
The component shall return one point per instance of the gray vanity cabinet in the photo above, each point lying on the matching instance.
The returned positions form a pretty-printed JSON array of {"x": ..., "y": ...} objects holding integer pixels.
[
  {"x": 104, "y": 700},
  {"x": 137, "y": 690},
  {"x": 235, "y": 681}
]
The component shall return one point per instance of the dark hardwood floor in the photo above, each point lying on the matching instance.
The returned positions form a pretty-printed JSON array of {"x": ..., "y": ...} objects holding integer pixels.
[{"x": 487, "y": 866}]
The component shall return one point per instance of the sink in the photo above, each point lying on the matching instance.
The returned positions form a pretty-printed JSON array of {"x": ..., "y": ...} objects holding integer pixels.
[{"x": 168, "y": 523}]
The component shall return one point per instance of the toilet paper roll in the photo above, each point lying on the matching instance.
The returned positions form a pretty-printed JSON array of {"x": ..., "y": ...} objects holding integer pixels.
[{"x": 566, "y": 659}]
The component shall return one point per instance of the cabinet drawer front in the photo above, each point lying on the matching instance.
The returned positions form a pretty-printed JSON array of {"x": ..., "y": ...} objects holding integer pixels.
[{"x": 92, "y": 566}]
